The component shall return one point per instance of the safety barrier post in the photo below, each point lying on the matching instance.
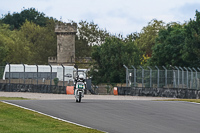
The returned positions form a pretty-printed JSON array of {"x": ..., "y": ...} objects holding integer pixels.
[
  {"x": 182, "y": 77},
  {"x": 63, "y": 74},
  {"x": 165, "y": 76},
  {"x": 134, "y": 76},
  {"x": 50, "y": 76},
  {"x": 142, "y": 76},
  {"x": 126, "y": 75},
  {"x": 195, "y": 76},
  {"x": 158, "y": 76},
  {"x": 37, "y": 75},
  {"x": 178, "y": 76},
  {"x": 150, "y": 76},
  {"x": 9, "y": 75},
  {"x": 191, "y": 77},
  {"x": 187, "y": 76},
  {"x": 24, "y": 72}
]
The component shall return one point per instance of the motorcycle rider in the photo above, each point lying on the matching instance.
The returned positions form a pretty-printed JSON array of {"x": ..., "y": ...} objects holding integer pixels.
[{"x": 78, "y": 79}]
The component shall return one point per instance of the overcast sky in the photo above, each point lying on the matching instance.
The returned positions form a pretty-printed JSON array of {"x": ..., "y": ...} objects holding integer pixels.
[{"x": 117, "y": 16}]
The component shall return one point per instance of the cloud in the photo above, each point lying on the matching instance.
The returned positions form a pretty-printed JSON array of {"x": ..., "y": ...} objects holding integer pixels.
[
  {"x": 117, "y": 16},
  {"x": 185, "y": 12},
  {"x": 189, "y": 8},
  {"x": 2, "y": 12}
]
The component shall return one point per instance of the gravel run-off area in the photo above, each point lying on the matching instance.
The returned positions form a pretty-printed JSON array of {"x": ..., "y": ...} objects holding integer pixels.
[{"x": 48, "y": 96}]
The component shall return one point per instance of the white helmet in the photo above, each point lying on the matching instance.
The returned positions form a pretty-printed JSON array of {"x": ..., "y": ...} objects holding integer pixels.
[{"x": 81, "y": 77}]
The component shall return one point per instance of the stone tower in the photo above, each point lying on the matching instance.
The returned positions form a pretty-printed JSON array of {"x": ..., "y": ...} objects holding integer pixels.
[{"x": 66, "y": 33}]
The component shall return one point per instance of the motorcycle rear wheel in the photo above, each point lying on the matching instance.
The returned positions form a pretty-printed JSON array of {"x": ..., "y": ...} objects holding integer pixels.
[{"x": 79, "y": 97}]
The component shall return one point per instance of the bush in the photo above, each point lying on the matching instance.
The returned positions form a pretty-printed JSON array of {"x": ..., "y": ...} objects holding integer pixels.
[{"x": 56, "y": 80}]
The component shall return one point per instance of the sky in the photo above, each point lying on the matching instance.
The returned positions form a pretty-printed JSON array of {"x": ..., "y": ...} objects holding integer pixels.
[{"x": 116, "y": 16}]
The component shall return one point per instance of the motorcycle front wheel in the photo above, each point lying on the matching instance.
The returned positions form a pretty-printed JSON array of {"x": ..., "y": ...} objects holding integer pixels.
[{"x": 79, "y": 97}]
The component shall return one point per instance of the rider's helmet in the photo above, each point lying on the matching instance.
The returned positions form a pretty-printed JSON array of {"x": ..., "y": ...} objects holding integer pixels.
[{"x": 81, "y": 77}]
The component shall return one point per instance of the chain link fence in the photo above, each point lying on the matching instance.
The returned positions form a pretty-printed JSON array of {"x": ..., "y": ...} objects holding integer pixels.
[
  {"x": 35, "y": 78},
  {"x": 35, "y": 74},
  {"x": 39, "y": 78},
  {"x": 155, "y": 77}
]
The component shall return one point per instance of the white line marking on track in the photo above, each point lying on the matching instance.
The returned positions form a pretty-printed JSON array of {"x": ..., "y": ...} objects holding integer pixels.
[
  {"x": 183, "y": 102},
  {"x": 50, "y": 115},
  {"x": 194, "y": 103}
]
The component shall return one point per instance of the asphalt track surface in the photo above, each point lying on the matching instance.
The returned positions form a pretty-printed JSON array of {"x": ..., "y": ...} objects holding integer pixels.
[{"x": 123, "y": 116}]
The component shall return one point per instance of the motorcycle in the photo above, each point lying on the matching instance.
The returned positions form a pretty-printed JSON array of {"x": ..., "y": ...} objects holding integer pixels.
[
  {"x": 79, "y": 84},
  {"x": 79, "y": 91}
]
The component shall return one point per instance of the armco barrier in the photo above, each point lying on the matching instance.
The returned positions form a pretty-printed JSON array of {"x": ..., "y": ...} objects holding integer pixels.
[
  {"x": 33, "y": 88},
  {"x": 160, "y": 92}
]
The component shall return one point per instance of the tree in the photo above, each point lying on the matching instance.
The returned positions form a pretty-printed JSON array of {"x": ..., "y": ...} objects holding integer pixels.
[
  {"x": 148, "y": 35},
  {"x": 13, "y": 47},
  {"x": 30, "y": 44},
  {"x": 191, "y": 53},
  {"x": 42, "y": 42},
  {"x": 91, "y": 33},
  {"x": 15, "y": 20},
  {"x": 169, "y": 46},
  {"x": 110, "y": 58},
  {"x": 4, "y": 41},
  {"x": 82, "y": 48},
  {"x": 19, "y": 51},
  {"x": 132, "y": 37}
]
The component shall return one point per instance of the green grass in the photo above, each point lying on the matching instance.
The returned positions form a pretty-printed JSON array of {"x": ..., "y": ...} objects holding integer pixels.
[
  {"x": 13, "y": 98},
  {"x": 187, "y": 100},
  {"x": 17, "y": 120}
]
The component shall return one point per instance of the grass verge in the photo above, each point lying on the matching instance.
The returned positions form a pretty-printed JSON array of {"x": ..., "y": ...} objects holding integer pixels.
[
  {"x": 187, "y": 100},
  {"x": 17, "y": 120},
  {"x": 13, "y": 98}
]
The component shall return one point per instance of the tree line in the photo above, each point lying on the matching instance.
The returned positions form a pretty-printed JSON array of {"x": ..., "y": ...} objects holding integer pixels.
[{"x": 28, "y": 37}]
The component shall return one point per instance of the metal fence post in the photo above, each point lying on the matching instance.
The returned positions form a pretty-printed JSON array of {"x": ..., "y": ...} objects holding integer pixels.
[
  {"x": 24, "y": 72},
  {"x": 150, "y": 78},
  {"x": 50, "y": 76},
  {"x": 174, "y": 78},
  {"x": 129, "y": 78},
  {"x": 195, "y": 76},
  {"x": 178, "y": 76},
  {"x": 37, "y": 75},
  {"x": 126, "y": 75},
  {"x": 191, "y": 77},
  {"x": 187, "y": 76},
  {"x": 142, "y": 76},
  {"x": 134, "y": 76},
  {"x": 63, "y": 74},
  {"x": 182, "y": 77},
  {"x": 165, "y": 76},
  {"x": 9, "y": 76},
  {"x": 158, "y": 76}
]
